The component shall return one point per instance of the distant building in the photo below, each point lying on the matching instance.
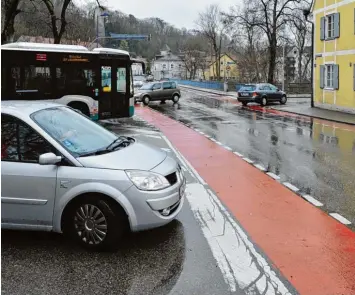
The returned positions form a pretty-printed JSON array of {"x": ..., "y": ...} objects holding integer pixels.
[
  {"x": 137, "y": 69},
  {"x": 293, "y": 61},
  {"x": 334, "y": 55},
  {"x": 167, "y": 65},
  {"x": 228, "y": 66}
]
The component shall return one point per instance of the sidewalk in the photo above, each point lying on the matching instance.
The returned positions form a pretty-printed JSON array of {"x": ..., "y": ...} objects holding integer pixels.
[{"x": 319, "y": 113}]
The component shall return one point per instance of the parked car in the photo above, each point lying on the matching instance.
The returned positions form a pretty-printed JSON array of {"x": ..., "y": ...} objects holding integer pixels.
[
  {"x": 138, "y": 81},
  {"x": 159, "y": 91},
  {"x": 62, "y": 172},
  {"x": 150, "y": 78},
  {"x": 262, "y": 93}
]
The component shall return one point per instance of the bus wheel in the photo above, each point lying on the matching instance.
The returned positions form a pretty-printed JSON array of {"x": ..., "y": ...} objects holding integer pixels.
[
  {"x": 146, "y": 100},
  {"x": 81, "y": 106}
]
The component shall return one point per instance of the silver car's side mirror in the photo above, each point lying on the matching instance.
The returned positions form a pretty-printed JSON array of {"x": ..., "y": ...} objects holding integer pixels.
[{"x": 49, "y": 159}]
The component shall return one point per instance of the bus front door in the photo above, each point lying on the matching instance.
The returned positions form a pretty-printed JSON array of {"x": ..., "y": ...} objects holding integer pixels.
[{"x": 114, "y": 102}]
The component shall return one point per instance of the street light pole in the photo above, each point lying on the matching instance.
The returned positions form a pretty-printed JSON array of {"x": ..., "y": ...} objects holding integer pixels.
[{"x": 283, "y": 67}]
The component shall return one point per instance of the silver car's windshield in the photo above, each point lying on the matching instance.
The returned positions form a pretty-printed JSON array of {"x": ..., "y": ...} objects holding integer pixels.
[{"x": 76, "y": 133}]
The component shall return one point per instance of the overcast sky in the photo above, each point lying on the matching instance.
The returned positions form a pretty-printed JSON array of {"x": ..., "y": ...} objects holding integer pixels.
[{"x": 180, "y": 13}]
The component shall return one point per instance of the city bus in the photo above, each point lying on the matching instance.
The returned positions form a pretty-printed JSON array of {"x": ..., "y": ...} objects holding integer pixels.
[{"x": 98, "y": 83}]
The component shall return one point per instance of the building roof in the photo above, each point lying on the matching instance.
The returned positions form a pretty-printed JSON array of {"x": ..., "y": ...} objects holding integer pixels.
[{"x": 40, "y": 39}]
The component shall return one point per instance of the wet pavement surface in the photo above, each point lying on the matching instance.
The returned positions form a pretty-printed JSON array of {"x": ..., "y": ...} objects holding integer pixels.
[
  {"x": 316, "y": 156},
  {"x": 174, "y": 259}
]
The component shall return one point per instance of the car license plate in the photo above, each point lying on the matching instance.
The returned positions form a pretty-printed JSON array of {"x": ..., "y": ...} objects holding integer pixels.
[{"x": 245, "y": 94}]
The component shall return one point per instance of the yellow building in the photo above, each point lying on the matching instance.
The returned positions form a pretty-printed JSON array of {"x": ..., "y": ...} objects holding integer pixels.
[
  {"x": 229, "y": 68},
  {"x": 334, "y": 49}
]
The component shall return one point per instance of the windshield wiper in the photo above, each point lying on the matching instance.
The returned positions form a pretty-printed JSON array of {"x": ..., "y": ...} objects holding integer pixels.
[{"x": 117, "y": 142}]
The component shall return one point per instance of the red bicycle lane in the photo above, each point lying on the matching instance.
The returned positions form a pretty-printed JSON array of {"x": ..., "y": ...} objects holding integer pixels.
[{"x": 312, "y": 250}]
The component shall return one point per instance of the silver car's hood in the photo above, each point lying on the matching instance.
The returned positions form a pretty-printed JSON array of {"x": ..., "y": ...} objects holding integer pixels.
[{"x": 140, "y": 156}]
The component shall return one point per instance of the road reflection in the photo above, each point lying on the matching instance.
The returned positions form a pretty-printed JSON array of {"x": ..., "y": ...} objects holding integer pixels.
[{"x": 44, "y": 263}]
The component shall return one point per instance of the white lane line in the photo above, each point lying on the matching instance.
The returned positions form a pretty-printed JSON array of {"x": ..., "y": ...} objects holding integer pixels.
[
  {"x": 273, "y": 175},
  {"x": 227, "y": 148},
  {"x": 340, "y": 218},
  {"x": 248, "y": 160},
  {"x": 213, "y": 139},
  {"x": 238, "y": 154},
  {"x": 260, "y": 167},
  {"x": 312, "y": 200},
  {"x": 219, "y": 143},
  {"x": 207, "y": 136},
  {"x": 202, "y": 133},
  {"x": 183, "y": 161},
  {"x": 165, "y": 149},
  {"x": 242, "y": 266},
  {"x": 291, "y": 186}
]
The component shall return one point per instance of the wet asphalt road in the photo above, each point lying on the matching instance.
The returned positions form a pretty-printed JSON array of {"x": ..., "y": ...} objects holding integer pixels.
[
  {"x": 310, "y": 154},
  {"x": 174, "y": 259}
]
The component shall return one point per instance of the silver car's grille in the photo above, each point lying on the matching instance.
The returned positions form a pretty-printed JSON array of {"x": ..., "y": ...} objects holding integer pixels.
[{"x": 172, "y": 178}]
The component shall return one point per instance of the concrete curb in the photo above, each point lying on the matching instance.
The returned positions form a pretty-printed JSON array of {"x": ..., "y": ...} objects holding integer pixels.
[{"x": 312, "y": 116}]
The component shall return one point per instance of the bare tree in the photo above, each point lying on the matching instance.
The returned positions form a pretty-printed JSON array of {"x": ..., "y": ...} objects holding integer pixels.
[
  {"x": 211, "y": 24},
  {"x": 301, "y": 37},
  {"x": 271, "y": 16},
  {"x": 11, "y": 10}
]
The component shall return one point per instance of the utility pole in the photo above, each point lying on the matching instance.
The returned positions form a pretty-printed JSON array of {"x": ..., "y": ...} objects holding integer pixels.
[{"x": 283, "y": 67}]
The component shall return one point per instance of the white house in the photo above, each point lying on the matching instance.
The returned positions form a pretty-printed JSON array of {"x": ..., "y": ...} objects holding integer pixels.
[
  {"x": 137, "y": 69},
  {"x": 167, "y": 65}
]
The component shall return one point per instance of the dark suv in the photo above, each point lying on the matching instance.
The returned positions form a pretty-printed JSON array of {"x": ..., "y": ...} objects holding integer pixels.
[
  {"x": 261, "y": 93},
  {"x": 158, "y": 91}
]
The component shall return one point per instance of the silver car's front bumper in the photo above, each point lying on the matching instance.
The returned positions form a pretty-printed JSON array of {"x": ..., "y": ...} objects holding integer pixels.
[{"x": 156, "y": 208}]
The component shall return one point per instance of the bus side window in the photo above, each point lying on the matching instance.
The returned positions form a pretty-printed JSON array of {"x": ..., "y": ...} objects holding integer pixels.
[
  {"x": 106, "y": 79},
  {"x": 121, "y": 80}
]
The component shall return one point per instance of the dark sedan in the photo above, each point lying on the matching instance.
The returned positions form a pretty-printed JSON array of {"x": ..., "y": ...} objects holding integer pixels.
[{"x": 261, "y": 93}]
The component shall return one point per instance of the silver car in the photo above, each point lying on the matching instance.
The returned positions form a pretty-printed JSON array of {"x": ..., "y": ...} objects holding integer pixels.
[{"x": 62, "y": 172}]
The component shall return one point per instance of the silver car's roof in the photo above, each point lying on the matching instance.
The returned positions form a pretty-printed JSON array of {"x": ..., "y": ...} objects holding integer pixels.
[{"x": 25, "y": 107}]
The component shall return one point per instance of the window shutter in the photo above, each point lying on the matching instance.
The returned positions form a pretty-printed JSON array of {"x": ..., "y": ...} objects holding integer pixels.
[
  {"x": 354, "y": 76},
  {"x": 337, "y": 25},
  {"x": 336, "y": 76},
  {"x": 322, "y": 76},
  {"x": 322, "y": 28}
]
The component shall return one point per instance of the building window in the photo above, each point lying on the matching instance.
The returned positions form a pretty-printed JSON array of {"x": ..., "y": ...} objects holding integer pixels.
[
  {"x": 329, "y": 76},
  {"x": 164, "y": 66},
  {"x": 329, "y": 26},
  {"x": 172, "y": 66}
]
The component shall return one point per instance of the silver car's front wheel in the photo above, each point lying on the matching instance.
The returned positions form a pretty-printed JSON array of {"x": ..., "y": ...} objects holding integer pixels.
[
  {"x": 95, "y": 222},
  {"x": 90, "y": 224}
]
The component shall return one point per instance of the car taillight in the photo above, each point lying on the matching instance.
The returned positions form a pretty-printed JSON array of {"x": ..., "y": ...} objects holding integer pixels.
[{"x": 255, "y": 94}]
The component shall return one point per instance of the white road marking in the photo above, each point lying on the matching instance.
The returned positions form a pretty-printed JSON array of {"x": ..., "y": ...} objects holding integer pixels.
[
  {"x": 340, "y": 218},
  {"x": 241, "y": 264},
  {"x": 219, "y": 143},
  {"x": 213, "y": 139},
  {"x": 248, "y": 160},
  {"x": 238, "y": 154},
  {"x": 183, "y": 161},
  {"x": 273, "y": 175},
  {"x": 260, "y": 167},
  {"x": 202, "y": 133},
  {"x": 312, "y": 200},
  {"x": 291, "y": 186},
  {"x": 207, "y": 136},
  {"x": 165, "y": 149},
  {"x": 227, "y": 148}
]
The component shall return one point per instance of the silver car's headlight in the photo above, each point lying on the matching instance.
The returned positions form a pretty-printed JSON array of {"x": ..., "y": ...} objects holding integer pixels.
[{"x": 147, "y": 181}]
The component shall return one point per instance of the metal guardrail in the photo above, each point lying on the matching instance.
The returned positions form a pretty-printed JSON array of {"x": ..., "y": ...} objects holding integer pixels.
[
  {"x": 202, "y": 84},
  {"x": 233, "y": 86}
]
